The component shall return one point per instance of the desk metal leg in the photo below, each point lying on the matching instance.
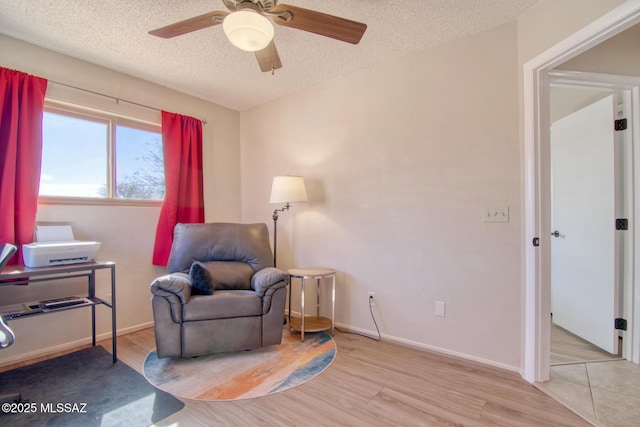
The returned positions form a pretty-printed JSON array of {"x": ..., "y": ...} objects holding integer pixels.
[
  {"x": 92, "y": 294},
  {"x": 113, "y": 314}
]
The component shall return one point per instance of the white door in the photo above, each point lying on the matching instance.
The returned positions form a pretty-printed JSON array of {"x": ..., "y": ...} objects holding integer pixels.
[{"x": 584, "y": 250}]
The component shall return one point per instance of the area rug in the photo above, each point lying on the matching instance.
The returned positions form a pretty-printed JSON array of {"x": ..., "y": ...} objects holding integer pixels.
[
  {"x": 244, "y": 374},
  {"x": 83, "y": 388}
]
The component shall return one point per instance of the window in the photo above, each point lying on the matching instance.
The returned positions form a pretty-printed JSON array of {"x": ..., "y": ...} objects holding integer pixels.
[{"x": 94, "y": 155}]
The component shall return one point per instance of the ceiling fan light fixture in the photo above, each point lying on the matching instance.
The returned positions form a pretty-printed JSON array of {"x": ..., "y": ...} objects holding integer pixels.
[{"x": 248, "y": 30}]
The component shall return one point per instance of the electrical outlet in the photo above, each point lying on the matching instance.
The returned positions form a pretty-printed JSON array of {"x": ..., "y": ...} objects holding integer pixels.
[
  {"x": 440, "y": 308},
  {"x": 372, "y": 299}
]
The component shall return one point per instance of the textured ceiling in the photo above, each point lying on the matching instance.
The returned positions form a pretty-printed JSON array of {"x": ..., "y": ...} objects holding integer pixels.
[{"x": 113, "y": 33}]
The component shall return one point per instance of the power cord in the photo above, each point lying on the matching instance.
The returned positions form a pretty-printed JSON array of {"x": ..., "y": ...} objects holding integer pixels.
[{"x": 374, "y": 322}]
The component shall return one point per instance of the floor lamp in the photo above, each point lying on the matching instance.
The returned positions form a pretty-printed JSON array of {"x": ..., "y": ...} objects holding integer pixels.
[{"x": 285, "y": 189}]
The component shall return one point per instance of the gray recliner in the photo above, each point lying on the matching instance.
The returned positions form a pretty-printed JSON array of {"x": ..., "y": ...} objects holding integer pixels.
[{"x": 246, "y": 309}]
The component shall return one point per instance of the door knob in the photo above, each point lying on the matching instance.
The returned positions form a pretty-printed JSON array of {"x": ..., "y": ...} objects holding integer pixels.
[{"x": 555, "y": 233}]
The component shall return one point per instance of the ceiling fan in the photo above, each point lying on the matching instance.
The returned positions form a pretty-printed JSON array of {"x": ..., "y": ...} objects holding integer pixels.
[{"x": 247, "y": 27}]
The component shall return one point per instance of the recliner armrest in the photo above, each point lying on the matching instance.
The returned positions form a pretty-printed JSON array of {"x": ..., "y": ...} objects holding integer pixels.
[
  {"x": 267, "y": 278},
  {"x": 178, "y": 284}
]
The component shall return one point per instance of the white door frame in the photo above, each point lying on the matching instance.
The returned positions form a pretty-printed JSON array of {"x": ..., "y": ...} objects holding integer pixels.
[{"x": 537, "y": 221}]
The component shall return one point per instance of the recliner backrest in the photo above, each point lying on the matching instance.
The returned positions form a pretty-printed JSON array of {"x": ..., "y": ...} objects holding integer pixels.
[
  {"x": 248, "y": 243},
  {"x": 229, "y": 275}
]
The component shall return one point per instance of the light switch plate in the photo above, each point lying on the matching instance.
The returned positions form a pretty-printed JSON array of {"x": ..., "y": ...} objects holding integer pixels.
[{"x": 496, "y": 214}]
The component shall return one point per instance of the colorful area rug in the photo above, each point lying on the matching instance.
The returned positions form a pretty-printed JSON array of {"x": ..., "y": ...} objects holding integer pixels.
[{"x": 245, "y": 374}]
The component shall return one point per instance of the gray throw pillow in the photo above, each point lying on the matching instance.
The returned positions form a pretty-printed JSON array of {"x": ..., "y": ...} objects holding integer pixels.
[{"x": 201, "y": 280}]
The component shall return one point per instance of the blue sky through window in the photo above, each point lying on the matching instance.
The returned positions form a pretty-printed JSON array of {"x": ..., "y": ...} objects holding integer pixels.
[{"x": 74, "y": 156}]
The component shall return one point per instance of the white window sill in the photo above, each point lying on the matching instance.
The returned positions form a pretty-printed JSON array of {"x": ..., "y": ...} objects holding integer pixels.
[{"x": 100, "y": 201}]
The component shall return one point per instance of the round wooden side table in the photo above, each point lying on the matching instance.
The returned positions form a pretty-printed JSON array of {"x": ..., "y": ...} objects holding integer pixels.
[{"x": 312, "y": 323}]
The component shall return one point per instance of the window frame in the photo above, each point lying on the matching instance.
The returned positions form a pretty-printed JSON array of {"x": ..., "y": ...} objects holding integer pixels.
[{"x": 112, "y": 120}]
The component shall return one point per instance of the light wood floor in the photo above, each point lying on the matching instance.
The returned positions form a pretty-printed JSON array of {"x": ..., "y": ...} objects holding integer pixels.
[
  {"x": 568, "y": 348},
  {"x": 376, "y": 384}
]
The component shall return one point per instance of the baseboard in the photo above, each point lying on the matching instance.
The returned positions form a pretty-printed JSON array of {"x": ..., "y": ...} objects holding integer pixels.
[
  {"x": 421, "y": 346},
  {"x": 129, "y": 330},
  {"x": 70, "y": 345}
]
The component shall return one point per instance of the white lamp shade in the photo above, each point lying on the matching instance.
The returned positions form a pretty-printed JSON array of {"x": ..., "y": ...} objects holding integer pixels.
[
  {"x": 288, "y": 189},
  {"x": 248, "y": 30}
]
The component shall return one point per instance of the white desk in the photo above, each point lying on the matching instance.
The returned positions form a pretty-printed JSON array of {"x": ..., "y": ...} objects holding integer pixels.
[{"x": 312, "y": 323}]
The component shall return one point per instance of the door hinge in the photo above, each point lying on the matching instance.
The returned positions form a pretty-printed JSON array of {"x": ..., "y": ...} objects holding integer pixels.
[
  {"x": 622, "y": 224},
  {"x": 621, "y": 324},
  {"x": 620, "y": 124},
  {"x": 536, "y": 241}
]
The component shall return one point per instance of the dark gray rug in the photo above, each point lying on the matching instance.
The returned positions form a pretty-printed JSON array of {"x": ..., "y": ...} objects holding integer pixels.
[{"x": 84, "y": 389}]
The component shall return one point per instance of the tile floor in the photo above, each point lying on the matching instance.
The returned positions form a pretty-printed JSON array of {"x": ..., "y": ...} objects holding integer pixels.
[{"x": 603, "y": 393}]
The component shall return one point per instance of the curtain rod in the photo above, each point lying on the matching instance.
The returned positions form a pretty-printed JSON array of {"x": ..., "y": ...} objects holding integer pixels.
[{"x": 204, "y": 122}]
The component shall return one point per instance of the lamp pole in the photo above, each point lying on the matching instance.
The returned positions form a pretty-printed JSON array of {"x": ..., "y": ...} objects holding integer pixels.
[{"x": 275, "y": 230}]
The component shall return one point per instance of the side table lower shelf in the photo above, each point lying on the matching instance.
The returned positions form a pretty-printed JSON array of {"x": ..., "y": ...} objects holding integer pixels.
[{"x": 311, "y": 324}]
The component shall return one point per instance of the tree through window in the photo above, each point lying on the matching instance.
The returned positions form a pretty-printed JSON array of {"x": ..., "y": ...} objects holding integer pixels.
[{"x": 98, "y": 156}]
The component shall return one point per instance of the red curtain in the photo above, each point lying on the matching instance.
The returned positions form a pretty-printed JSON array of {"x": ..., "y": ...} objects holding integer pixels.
[
  {"x": 21, "y": 108},
  {"x": 183, "y": 198}
]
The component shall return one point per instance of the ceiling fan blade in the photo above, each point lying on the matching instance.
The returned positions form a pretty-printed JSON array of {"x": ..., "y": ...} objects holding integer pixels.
[
  {"x": 268, "y": 58},
  {"x": 320, "y": 23},
  {"x": 189, "y": 25}
]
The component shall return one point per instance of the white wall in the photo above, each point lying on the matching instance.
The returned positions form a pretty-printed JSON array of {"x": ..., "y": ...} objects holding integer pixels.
[
  {"x": 400, "y": 160},
  {"x": 550, "y": 21},
  {"x": 618, "y": 55},
  {"x": 126, "y": 232},
  {"x": 566, "y": 100}
]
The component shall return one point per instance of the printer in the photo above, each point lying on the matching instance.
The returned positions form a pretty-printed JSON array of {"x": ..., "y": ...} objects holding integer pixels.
[{"x": 55, "y": 245}]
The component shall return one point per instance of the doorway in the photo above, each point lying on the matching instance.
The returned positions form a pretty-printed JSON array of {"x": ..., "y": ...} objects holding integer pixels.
[
  {"x": 537, "y": 306},
  {"x": 603, "y": 400}
]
